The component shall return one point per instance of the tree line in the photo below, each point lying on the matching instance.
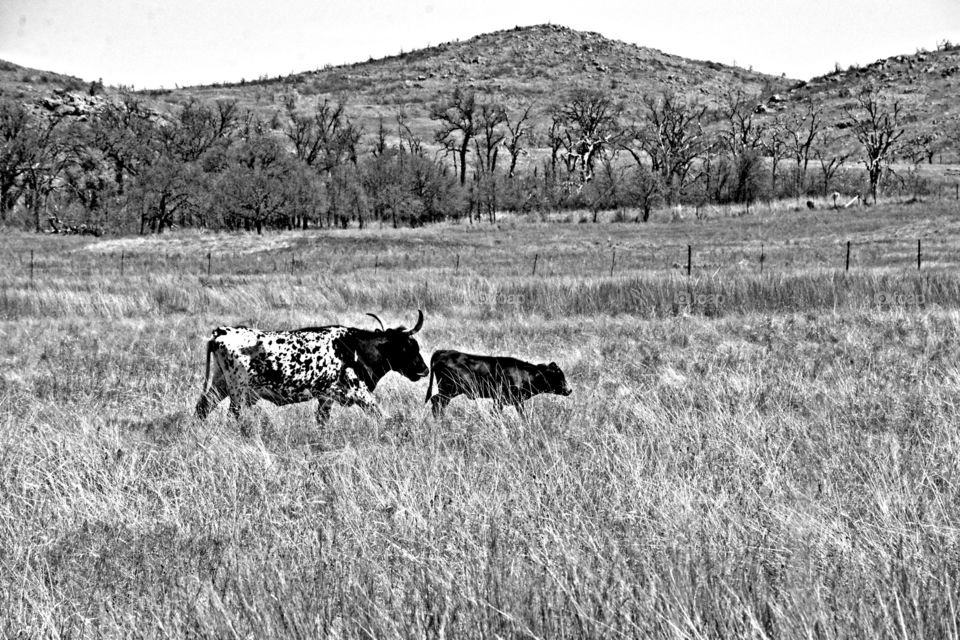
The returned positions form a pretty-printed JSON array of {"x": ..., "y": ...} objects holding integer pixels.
[{"x": 127, "y": 168}]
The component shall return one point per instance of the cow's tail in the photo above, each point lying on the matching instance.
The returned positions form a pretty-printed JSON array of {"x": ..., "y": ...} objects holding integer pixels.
[
  {"x": 211, "y": 345},
  {"x": 433, "y": 363}
]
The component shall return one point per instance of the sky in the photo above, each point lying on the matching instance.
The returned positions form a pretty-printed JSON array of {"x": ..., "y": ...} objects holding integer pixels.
[{"x": 168, "y": 43}]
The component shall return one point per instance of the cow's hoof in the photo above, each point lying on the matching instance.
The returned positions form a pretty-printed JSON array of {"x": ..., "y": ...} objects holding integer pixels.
[{"x": 249, "y": 426}]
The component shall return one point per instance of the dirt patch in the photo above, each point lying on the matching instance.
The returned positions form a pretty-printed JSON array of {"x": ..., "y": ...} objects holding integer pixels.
[{"x": 193, "y": 243}]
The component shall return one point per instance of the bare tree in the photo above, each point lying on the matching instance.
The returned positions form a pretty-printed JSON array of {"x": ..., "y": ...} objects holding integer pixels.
[
  {"x": 589, "y": 120},
  {"x": 742, "y": 136},
  {"x": 199, "y": 127},
  {"x": 741, "y": 129},
  {"x": 555, "y": 138},
  {"x": 877, "y": 125},
  {"x": 672, "y": 138},
  {"x": 951, "y": 137},
  {"x": 774, "y": 146},
  {"x": 831, "y": 154},
  {"x": 487, "y": 143},
  {"x": 254, "y": 191},
  {"x": 379, "y": 175},
  {"x": 606, "y": 190},
  {"x": 801, "y": 132},
  {"x": 645, "y": 189},
  {"x": 125, "y": 133},
  {"x": 513, "y": 142},
  {"x": 920, "y": 146},
  {"x": 85, "y": 177},
  {"x": 457, "y": 117},
  {"x": 325, "y": 139},
  {"x": 44, "y": 163},
  {"x": 489, "y": 135},
  {"x": 165, "y": 190},
  {"x": 16, "y": 132}
]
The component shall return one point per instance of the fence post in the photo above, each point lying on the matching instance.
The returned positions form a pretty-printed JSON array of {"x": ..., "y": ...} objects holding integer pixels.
[
  {"x": 847, "y": 267},
  {"x": 613, "y": 261},
  {"x": 918, "y": 253},
  {"x": 536, "y": 257},
  {"x": 31, "y": 265},
  {"x": 122, "y": 256},
  {"x": 209, "y": 262},
  {"x": 457, "y": 268},
  {"x": 762, "y": 258},
  {"x": 689, "y": 258},
  {"x": 376, "y": 263}
]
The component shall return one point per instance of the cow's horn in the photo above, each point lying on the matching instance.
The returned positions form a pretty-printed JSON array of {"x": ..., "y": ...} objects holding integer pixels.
[
  {"x": 419, "y": 324},
  {"x": 377, "y": 319}
]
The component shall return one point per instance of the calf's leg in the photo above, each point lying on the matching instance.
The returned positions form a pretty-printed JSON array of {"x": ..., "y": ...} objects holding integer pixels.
[
  {"x": 519, "y": 407},
  {"x": 439, "y": 404}
]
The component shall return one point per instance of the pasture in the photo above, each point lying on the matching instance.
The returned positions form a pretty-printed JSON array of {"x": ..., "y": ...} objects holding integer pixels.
[{"x": 745, "y": 454}]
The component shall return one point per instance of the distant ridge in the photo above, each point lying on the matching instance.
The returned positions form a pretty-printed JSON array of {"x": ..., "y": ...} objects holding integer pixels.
[
  {"x": 537, "y": 65},
  {"x": 523, "y": 63}
]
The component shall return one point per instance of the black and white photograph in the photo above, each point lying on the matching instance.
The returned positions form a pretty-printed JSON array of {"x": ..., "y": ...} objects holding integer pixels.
[{"x": 478, "y": 321}]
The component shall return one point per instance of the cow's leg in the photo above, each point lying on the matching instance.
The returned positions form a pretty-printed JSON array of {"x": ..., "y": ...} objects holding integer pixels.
[
  {"x": 249, "y": 420},
  {"x": 236, "y": 404},
  {"x": 352, "y": 391},
  {"x": 208, "y": 402},
  {"x": 498, "y": 401},
  {"x": 237, "y": 386},
  {"x": 241, "y": 399},
  {"x": 323, "y": 410}
]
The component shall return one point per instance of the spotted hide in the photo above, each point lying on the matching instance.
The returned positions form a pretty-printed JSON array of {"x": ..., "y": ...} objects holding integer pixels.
[
  {"x": 505, "y": 380},
  {"x": 333, "y": 364}
]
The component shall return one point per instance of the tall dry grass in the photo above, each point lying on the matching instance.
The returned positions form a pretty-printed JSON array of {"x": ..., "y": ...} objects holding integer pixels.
[{"x": 777, "y": 460}]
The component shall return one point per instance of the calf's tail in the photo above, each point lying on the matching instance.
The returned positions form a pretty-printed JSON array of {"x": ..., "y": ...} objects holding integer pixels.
[{"x": 429, "y": 384}]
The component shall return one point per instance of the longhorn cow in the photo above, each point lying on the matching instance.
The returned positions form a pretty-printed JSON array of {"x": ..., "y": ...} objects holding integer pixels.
[{"x": 333, "y": 364}]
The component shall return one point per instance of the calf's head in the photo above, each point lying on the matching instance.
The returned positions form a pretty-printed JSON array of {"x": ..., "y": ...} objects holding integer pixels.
[
  {"x": 553, "y": 379},
  {"x": 401, "y": 350}
]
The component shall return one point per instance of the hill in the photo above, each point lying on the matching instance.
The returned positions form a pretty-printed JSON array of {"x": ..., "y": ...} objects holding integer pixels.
[
  {"x": 522, "y": 65},
  {"x": 536, "y": 64},
  {"x": 926, "y": 84},
  {"x": 29, "y": 85}
]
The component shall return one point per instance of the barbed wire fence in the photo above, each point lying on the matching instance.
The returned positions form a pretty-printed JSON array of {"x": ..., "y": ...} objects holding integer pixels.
[{"x": 688, "y": 259}]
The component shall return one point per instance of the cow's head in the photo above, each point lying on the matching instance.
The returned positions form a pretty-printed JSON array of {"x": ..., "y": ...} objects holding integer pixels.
[
  {"x": 555, "y": 381},
  {"x": 401, "y": 351}
]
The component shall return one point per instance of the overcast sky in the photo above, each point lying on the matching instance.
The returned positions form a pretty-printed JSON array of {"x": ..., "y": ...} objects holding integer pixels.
[{"x": 162, "y": 43}]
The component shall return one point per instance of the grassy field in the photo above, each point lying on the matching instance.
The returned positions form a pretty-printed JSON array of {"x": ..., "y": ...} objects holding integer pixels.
[{"x": 745, "y": 454}]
